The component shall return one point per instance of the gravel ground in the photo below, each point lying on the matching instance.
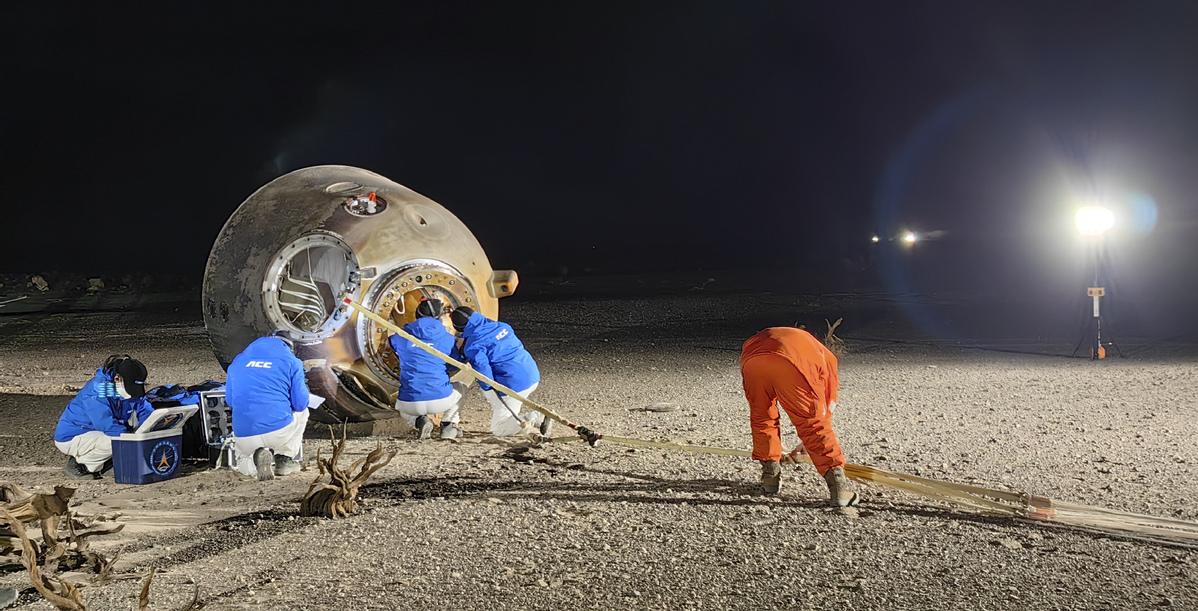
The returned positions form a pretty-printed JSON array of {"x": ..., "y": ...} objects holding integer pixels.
[{"x": 484, "y": 524}]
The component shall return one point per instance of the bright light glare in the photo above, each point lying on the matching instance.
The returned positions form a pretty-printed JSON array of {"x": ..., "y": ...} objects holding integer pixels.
[
  {"x": 909, "y": 238},
  {"x": 875, "y": 239},
  {"x": 1094, "y": 220}
]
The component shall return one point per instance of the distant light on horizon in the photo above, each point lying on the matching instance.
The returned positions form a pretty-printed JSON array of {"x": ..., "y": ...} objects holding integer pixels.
[
  {"x": 910, "y": 238},
  {"x": 875, "y": 239},
  {"x": 1094, "y": 220}
]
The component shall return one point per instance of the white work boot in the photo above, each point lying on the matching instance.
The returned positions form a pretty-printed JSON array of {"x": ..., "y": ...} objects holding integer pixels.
[
  {"x": 264, "y": 461},
  {"x": 771, "y": 476},
  {"x": 546, "y": 427},
  {"x": 840, "y": 489},
  {"x": 450, "y": 430}
]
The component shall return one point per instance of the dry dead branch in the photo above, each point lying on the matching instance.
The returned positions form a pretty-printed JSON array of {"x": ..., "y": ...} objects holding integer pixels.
[
  {"x": 102, "y": 565},
  {"x": 143, "y": 601},
  {"x": 11, "y": 492},
  {"x": 82, "y": 530},
  {"x": 59, "y": 592},
  {"x": 27, "y": 507},
  {"x": 195, "y": 604},
  {"x": 56, "y": 548},
  {"x": 831, "y": 342},
  {"x": 337, "y": 497}
]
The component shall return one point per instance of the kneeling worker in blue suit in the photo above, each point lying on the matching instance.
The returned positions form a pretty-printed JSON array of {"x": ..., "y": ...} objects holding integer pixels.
[
  {"x": 493, "y": 350},
  {"x": 269, "y": 398},
  {"x": 424, "y": 386},
  {"x": 111, "y": 403}
]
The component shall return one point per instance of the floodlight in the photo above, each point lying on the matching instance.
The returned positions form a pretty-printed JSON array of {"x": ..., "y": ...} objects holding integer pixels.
[
  {"x": 1094, "y": 220},
  {"x": 875, "y": 239},
  {"x": 910, "y": 237}
]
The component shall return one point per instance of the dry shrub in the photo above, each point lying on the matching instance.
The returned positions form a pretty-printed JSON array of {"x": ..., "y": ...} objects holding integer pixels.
[
  {"x": 61, "y": 593},
  {"x": 834, "y": 344},
  {"x": 337, "y": 496},
  {"x": 56, "y": 549}
]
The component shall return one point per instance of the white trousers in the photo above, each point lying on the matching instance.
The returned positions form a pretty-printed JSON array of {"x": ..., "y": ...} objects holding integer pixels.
[
  {"x": 288, "y": 441},
  {"x": 503, "y": 423},
  {"x": 450, "y": 407},
  {"x": 91, "y": 449}
]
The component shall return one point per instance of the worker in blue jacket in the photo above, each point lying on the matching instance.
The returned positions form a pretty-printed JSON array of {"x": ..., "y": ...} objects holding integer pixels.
[
  {"x": 269, "y": 397},
  {"x": 111, "y": 403},
  {"x": 493, "y": 350},
  {"x": 424, "y": 386}
]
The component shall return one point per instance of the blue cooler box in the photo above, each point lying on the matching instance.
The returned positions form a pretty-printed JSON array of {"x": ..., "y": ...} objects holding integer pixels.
[{"x": 154, "y": 451}]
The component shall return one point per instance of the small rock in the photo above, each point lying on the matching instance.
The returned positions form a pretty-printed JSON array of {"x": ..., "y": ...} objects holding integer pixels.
[
  {"x": 661, "y": 406},
  {"x": 1008, "y": 543}
]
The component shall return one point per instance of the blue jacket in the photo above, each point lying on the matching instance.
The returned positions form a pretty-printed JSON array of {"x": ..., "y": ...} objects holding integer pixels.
[
  {"x": 265, "y": 385},
  {"x": 98, "y": 407},
  {"x": 493, "y": 350},
  {"x": 422, "y": 376}
]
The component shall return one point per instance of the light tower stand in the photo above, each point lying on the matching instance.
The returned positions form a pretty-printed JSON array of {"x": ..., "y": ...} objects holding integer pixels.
[{"x": 1093, "y": 325}]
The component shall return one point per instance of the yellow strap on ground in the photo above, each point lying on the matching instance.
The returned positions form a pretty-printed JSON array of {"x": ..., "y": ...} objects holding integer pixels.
[{"x": 984, "y": 500}]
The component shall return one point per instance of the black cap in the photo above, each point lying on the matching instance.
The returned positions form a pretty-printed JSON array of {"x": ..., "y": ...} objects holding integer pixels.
[
  {"x": 429, "y": 307},
  {"x": 133, "y": 376},
  {"x": 460, "y": 317},
  {"x": 285, "y": 335}
]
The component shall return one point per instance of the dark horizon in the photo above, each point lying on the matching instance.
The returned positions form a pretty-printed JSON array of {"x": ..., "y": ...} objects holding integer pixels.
[{"x": 624, "y": 137}]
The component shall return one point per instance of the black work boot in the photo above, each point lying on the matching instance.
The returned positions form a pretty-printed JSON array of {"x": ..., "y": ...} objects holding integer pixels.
[
  {"x": 840, "y": 489},
  {"x": 771, "y": 476},
  {"x": 75, "y": 470},
  {"x": 286, "y": 465},
  {"x": 105, "y": 469},
  {"x": 546, "y": 427},
  {"x": 424, "y": 427}
]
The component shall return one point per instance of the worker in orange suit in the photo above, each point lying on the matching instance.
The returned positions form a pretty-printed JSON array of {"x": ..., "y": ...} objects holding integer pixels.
[{"x": 790, "y": 367}]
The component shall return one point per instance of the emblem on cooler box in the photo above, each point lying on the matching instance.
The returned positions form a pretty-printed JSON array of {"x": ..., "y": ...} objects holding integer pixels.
[{"x": 164, "y": 458}]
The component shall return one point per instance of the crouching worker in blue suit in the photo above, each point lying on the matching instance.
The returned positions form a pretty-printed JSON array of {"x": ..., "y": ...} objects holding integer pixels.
[
  {"x": 266, "y": 390},
  {"x": 111, "y": 403},
  {"x": 424, "y": 386},
  {"x": 493, "y": 350}
]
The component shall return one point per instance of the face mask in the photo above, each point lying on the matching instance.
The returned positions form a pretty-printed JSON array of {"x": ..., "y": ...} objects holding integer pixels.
[{"x": 120, "y": 390}]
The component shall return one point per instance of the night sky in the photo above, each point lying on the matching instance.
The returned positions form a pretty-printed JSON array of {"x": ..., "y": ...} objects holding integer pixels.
[{"x": 612, "y": 135}]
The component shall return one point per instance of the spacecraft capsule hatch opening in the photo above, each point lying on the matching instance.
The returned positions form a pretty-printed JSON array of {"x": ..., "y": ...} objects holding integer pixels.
[{"x": 306, "y": 284}]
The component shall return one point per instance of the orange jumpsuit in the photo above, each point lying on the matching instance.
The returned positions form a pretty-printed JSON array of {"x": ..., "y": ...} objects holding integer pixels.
[{"x": 788, "y": 366}]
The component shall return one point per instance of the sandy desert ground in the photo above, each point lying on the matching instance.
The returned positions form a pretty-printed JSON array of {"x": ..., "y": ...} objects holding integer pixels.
[{"x": 484, "y": 524}]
